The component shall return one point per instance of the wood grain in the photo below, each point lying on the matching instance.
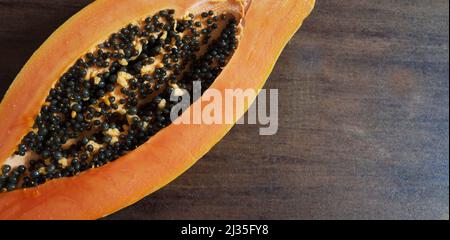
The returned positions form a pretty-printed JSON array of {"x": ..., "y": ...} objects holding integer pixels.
[{"x": 364, "y": 119}]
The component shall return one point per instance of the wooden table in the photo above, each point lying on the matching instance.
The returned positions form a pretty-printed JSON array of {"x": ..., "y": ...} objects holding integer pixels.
[{"x": 364, "y": 119}]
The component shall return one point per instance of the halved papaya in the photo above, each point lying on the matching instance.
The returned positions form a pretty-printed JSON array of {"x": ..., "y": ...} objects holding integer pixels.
[{"x": 85, "y": 128}]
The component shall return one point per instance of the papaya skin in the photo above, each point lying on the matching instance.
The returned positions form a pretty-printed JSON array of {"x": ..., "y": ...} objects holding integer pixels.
[{"x": 99, "y": 192}]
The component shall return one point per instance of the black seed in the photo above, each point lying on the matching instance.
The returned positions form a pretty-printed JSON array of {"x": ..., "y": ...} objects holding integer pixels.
[
  {"x": 132, "y": 111},
  {"x": 101, "y": 84},
  {"x": 13, "y": 179},
  {"x": 50, "y": 168},
  {"x": 101, "y": 93},
  {"x": 90, "y": 56},
  {"x": 6, "y": 169},
  {"x": 57, "y": 155},
  {"x": 15, "y": 173},
  {"x": 77, "y": 107},
  {"x": 90, "y": 148},
  {"x": 107, "y": 138},
  {"x": 21, "y": 168},
  {"x": 22, "y": 147},
  {"x": 34, "y": 174},
  {"x": 105, "y": 126},
  {"x": 10, "y": 187},
  {"x": 110, "y": 87}
]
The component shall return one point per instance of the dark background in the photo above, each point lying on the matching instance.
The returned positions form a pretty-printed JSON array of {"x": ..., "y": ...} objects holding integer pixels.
[{"x": 364, "y": 119}]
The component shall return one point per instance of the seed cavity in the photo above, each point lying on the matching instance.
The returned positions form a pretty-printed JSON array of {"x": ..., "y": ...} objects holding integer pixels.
[{"x": 116, "y": 97}]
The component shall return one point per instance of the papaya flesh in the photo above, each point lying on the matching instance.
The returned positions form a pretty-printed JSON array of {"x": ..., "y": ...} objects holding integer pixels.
[{"x": 84, "y": 126}]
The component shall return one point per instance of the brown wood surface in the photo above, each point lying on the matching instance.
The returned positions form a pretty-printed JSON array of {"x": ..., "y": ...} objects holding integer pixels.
[{"x": 364, "y": 119}]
